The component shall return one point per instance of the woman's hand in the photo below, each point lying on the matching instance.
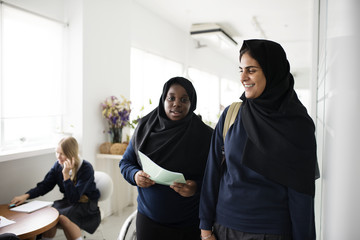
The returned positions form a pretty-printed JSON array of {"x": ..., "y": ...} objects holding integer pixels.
[
  {"x": 68, "y": 165},
  {"x": 19, "y": 199},
  {"x": 187, "y": 189},
  {"x": 143, "y": 180}
]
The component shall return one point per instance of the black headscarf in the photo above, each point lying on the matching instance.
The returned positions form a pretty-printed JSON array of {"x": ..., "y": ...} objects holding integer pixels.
[
  {"x": 281, "y": 141},
  {"x": 181, "y": 145}
]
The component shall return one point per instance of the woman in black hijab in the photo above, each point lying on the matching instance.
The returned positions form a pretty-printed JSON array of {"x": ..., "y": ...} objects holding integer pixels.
[
  {"x": 265, "y": 189},
  {"x": 175, "y": 138}
]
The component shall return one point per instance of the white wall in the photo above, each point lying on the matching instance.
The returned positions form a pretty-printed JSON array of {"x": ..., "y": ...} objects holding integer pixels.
[
  {"x": 73, "y": 114},
  {"x": 338, "y": 118},
  {"x": 18, "y": 176},
  {"x": 106, "y": 64},
  {"x": 151, "y": 33}
]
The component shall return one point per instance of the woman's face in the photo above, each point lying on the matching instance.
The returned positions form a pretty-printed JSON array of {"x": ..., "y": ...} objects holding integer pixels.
[
  {"x": 252, "y": 76},
  {"x": 177, "y": 103},
  {"x": 60, "y": 155}
]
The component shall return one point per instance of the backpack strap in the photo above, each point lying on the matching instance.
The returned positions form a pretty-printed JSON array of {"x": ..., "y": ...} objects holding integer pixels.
[
  {"x": 229, "y": 120},
  {"x": 230, "y": 117}
]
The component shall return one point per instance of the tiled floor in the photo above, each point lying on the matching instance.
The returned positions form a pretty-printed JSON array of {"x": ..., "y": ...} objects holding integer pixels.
[{"x": 108, "y": 230}]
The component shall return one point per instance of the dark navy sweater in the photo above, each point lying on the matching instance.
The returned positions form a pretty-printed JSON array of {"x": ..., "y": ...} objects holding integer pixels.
[
  {"x": 84, "y": 185},
  {"x": 241, "y": 199},
  {"x": 160, "y": 202}
]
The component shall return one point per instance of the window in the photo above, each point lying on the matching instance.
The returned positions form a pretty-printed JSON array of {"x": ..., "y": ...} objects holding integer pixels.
[
  {"x": 208, "y": 95},
  {"x": 231, "y": 91},
  {"x": 32, "y": 74},
  {"x": 304, "y": 97},
  {"x": 149, "y": 73}
]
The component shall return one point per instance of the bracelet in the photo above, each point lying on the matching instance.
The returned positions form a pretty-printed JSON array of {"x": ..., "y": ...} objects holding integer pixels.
[{"x": 207, "y": 237}]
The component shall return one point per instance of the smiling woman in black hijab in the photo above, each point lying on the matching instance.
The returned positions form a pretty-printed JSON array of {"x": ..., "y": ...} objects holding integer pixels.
[
  {"x": 175, "y": 138},
  {"x": 265, "y": 189},
  {"x": 290, "y": 157}
]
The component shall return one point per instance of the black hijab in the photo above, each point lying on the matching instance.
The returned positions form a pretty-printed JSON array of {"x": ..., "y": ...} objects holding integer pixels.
[
  {"x": 281, "y": 142},
  {"x": 180, "y": 145}
]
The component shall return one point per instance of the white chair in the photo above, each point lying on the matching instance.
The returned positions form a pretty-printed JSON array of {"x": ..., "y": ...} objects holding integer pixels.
[
  {"x": 128, "y": 229},
  {"x": 106, "y": 186}
]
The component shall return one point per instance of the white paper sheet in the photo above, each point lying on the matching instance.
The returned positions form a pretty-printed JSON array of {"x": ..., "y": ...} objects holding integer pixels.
[
  {"x": 159, "y": 174},
  {"x": 31, "y": 206},
  {"x": 4, "y": 221}
]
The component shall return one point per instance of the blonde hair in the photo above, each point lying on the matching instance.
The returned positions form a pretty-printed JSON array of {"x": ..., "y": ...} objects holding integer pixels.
[{"x": 70, "y": 148}]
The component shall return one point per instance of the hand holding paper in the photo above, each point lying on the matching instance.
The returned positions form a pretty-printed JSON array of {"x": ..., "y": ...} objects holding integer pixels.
[
  {"x": 187, "y": 189},
  {"x": 159, "y": 174},
  {"x": 142, "y": 179}
]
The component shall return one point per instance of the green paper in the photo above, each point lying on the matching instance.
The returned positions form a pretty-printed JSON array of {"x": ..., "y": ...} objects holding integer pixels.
[{"x": 159, "y": 174}]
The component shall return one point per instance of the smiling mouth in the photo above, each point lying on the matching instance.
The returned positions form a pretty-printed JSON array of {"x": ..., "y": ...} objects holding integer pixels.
[{"x": 249, "y": 85}]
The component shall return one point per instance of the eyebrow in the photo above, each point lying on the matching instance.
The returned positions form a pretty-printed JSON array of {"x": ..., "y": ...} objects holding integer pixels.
[
  {"x": 171, "y": 93},
  {"x": 249, "y": 67}
]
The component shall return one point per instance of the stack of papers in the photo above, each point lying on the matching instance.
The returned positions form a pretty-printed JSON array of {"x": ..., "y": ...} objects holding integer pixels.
[
  {"x": 4, "y": 221},
  {"x": 31, "y": 206},
  {"x": 159, "y": 174}
]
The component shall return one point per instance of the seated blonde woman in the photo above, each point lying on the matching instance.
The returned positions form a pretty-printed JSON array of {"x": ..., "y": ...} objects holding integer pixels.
[{"x": 75, "y": 178}]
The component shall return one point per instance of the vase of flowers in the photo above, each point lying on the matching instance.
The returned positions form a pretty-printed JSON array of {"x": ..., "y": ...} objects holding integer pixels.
[
  {"x": 115, "y": 135},
  {"x": 117, "y": 114}
]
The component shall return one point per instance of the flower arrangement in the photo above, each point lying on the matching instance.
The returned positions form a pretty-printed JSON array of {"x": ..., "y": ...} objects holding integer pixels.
[{"x": 117, "y": 114}]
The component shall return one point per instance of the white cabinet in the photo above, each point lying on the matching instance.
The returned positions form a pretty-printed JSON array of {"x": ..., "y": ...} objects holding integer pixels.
[{"x": 124, "y": 194}]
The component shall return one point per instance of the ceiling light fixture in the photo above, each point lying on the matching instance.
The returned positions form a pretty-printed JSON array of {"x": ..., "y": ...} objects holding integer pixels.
[{"x": 212, "y": 34}]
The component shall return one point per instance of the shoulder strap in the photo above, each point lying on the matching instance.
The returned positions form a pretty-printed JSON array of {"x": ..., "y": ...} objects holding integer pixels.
[{"x": 231, "y": 116}]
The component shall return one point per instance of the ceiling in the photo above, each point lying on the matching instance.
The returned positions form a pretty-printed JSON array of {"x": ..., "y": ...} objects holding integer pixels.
[{"x": 288, "y": 22}]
